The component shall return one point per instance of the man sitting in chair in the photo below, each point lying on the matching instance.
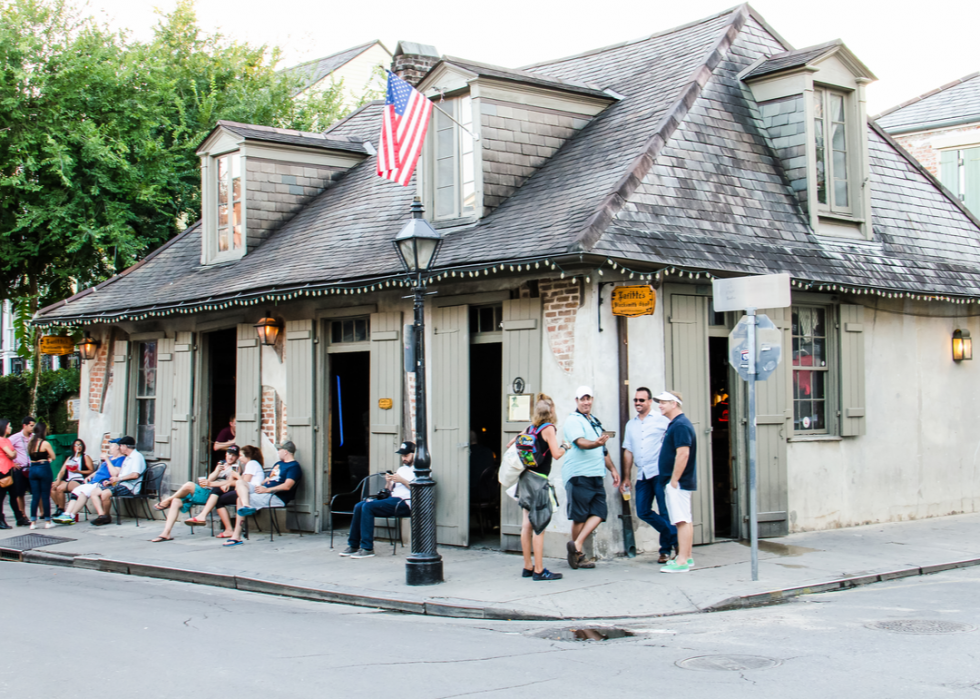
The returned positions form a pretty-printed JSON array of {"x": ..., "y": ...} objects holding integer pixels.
[
  {"x": 123, "y": 481},
  {"x": 360, "y": 544},
  {"x": 277, "y": 490}
]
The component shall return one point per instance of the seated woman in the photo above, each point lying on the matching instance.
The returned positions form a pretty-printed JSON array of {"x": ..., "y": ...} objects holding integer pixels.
[
  {"x": 217, "y": 490},
  {"x": 73, "y": 473},
  {"x": 110, "y": 466}
]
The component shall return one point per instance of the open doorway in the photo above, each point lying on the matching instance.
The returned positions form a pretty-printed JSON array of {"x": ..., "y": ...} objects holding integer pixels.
[
  {"x": 222, "y": 384},
  {"x": 350, "y": 374},
  {"x": 722, "y": 463},
  {"x": 485, "y": 443}
]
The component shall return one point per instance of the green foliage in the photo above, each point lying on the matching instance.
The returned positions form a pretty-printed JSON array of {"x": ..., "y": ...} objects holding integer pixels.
[
  {"x": 25, "y": 335},
  {"x": 54, "y": 389}
]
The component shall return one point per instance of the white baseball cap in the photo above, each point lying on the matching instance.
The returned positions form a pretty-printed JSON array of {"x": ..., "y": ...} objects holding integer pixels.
[
  {"x": 667, "y": 395},
  {"x": 582, "y": 391}
]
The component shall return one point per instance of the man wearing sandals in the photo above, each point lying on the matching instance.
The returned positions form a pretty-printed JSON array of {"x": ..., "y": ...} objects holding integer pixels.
[
  {"x": 277, "y": 490},
  {"x": 583, "y": 468}
]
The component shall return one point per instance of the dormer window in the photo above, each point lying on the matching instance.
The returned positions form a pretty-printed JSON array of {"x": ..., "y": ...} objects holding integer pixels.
[
  {"x": 831, "y": 141},
  {"x": 453, "y": 161},
  {"x": 228, "y": 171}
]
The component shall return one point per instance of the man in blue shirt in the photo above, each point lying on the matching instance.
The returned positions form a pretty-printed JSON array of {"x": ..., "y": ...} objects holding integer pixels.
[
  {"x": 583, "y": 467},
  {"x": 642, "y": 439},
  {"x": 277, "y": 490},
  {"x": 678, "y": 457}
]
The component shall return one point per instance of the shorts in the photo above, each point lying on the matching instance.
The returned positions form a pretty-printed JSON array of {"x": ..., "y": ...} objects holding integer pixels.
[
  {"x": 198, "y": 497},
  {"x": 678, "y": 504},
  {"x": 260, "y": 501},
  {"x": 118, "y": 490},
  {"x": 586, "y": 498},
  {"x": 86, "y": 489}
]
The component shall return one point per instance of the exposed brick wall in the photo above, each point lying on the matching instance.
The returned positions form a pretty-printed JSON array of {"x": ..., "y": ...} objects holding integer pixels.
[
  {"x": 560, "y": 300},
  {"x": 272, "y": 414},
  {"x": 98, "y": 376},
  {"x": 517, "y": 140},
  {"x": 786, "y": 123},
  {"x": 919, "y": 145},
  {"x": 275, "y": 191}
]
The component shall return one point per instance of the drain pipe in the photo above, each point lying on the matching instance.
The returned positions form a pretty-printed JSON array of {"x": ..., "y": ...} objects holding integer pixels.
[{"x": 622, "y": 341}]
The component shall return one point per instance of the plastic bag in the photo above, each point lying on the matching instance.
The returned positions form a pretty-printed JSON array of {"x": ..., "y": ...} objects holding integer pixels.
[{"x": 511, "y": 467}]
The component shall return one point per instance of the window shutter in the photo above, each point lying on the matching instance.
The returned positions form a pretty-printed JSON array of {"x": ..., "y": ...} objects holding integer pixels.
[
  {"x": 300, "y": 413},
  {"x": 120, "y": 389},
  {"x": 387, "y": 379},
  {"x": 165, "y": 398},
  {"x": 971, "y": 163},
  {"x": 852, "y": 404},
  {"x": 248, "y": 389},
  {"x": 949, "y": 170}
]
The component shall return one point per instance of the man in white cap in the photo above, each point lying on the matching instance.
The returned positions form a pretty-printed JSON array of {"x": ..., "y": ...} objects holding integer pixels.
[
  {"x": 583, "y": 467},
  {"x": 678, "y": 458}
]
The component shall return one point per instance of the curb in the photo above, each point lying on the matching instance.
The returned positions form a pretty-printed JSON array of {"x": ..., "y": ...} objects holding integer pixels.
[{"x": 439, "y": 609}]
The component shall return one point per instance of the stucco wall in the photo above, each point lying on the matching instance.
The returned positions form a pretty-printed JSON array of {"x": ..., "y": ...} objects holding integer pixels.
[{"x": 919, "y": 457}]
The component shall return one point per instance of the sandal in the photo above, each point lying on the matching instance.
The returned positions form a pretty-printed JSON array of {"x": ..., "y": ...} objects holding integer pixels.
[
  {"x": 233, "y": 542},
  {"x": 194, "y": 522},
  {"x": 160, "y": 507},
  {"x": 222, "y": 535},
  {"x": 161, "y": 539}
]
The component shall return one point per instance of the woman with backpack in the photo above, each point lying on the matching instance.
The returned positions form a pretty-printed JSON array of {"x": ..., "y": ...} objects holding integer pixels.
[{"x": 537, "y": 446}]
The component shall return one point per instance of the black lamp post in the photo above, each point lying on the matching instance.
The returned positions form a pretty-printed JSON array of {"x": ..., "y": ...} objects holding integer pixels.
[{"x": 417, "y": 244}]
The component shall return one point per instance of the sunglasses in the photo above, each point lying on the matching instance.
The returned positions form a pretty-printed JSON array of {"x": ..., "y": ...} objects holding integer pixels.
[{"x": 639, "y": 400}]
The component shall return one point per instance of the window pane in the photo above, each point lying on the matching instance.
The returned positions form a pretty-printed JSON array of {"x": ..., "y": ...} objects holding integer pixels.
[
  {"x": 486, "y": 319},
  {"x": 336, "y": 331},
  {"x": 474, "y": 320},
  {"x": 796, "y": 351},
  {"x": 146, "y": 373},
  {"x": 236, "y": 176},
  {"x": 840, "y": 138},
  {"x": 818, "y": 384},
  {"x": 840, "y": 193},
  {"x": 223, "y": 180},
  {"x": 817, "y": 318},
  {"x": 360, "y": 331},
  {"x": 145, "y": 421},
  {"x": 222, "y": 216},
  {"x": 223, "y": 239},
  {"x": 445, "y": 177},
  {"x": 445, "y": 205},
  {"x": 818, "y": 417},
  {"x": 818, "y": 104},
  {"x": 819, "y": 352},
  {"x": 444, "y": 143},
  {"x": 821, "y": 157},
  {"x": 837, "y": 107},
  {"x": 348, "y": 331},
  {"x": 801, "y": 415}
]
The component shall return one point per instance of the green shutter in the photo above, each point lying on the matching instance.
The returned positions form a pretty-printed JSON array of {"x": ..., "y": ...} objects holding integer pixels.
[
  {"x": 971, "y": 163},
  {"x": 120, "y": 389},
  {"x": 949, "y": 170},
  {"x": 852, "y": 404}
]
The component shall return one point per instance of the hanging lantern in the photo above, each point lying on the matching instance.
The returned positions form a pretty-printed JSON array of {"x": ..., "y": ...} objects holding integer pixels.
[
  {"x": 268, "y": 330},
  {"x": 962, "y": 345},
  {"x": 87, "y": 347}
]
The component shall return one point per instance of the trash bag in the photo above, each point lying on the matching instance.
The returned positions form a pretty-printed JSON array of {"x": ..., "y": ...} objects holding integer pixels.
[{"x": 536, "y": 495}]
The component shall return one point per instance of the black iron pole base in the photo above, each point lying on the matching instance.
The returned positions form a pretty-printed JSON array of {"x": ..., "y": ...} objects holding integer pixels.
[{"x": 424, "y": 572}]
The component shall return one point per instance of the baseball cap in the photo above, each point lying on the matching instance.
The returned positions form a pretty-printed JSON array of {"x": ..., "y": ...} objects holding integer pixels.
[
  {"x": 582, "y": 391},
  {"x": 288, "y": 446},
  {"x": 233, "y": 449},
  {"x": 406, "y": 448},
  {"x": 126, "y": 441},
  {"x": 667, "y": 395}
]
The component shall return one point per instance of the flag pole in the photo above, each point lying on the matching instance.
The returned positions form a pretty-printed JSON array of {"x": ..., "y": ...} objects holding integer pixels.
[{"x": 451, "y": 117}]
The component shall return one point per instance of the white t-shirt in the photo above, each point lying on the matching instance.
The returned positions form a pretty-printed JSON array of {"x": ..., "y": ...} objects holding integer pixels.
[
  {"x": 73, "y": 470},
  {"x": 134, "y": 463},
  {"x": 400, "y": 490},
  {"x": 254, "y": 469}
]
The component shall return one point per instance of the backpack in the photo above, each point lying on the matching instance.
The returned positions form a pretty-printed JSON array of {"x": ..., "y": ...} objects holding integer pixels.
[{"x": 527, "y": 445}]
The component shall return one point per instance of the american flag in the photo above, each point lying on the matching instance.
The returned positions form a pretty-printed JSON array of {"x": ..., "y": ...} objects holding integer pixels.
[{"x": 406, "y": 119}]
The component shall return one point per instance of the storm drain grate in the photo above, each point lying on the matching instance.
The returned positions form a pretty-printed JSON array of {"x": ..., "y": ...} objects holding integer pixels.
[
  {"x": 922, "y": 627},
  {"x": 594, "y": 633},
  {"x": 31, "y": 541},
  {"x": 730, "y": 663}
]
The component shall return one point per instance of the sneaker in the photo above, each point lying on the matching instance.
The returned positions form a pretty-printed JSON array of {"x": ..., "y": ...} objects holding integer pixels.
[
  {"x": 49, "y": 524},
  {"x": 246, "y": 511},
  {"x": 690, "y": 562},
  {"x": 64, "y": 518},
  {"x": 33, "y": 526},
  {"x": 573, "y": 554},
  {"x": 675, "y": 567},
  {"x": 363, "y": 553},
  {"x": 527, "y": 572},
  {"x": 547, "y": 575},
  {"x": 348, "y": 552}
]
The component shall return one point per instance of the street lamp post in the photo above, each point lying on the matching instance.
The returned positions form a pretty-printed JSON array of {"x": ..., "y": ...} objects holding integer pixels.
[{"x": 417, "y": 244}]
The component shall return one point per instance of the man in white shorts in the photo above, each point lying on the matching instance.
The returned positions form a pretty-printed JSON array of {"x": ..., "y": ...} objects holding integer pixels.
[
  {"x": 103, "y": 481},
  {"x": 678, "y": 461}
]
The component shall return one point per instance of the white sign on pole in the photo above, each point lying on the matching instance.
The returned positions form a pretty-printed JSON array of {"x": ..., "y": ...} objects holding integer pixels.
[{"x": 742, "y": 293}]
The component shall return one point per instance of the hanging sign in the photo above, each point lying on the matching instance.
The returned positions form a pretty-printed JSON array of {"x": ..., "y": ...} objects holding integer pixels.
[
  {"x": 633, "y": 301},
  {"x": 57, "y": 345}
]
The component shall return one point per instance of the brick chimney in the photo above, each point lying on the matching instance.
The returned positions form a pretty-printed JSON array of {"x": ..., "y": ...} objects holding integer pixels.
[{"x": 412, "y": 61}]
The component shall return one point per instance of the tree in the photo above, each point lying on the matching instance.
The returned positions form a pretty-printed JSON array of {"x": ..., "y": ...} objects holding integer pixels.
[{"x": 97, "y": 137}]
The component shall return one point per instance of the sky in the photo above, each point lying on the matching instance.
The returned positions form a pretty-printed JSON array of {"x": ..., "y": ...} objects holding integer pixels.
[{"x": 912, "y": 47}]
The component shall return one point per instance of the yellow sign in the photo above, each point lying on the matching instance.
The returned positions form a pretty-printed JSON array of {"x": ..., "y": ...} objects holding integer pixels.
[
  {"x": 632, "y": 301},
  {"x": 57, "y": 345},
  {"x": 385, "y": 403}
]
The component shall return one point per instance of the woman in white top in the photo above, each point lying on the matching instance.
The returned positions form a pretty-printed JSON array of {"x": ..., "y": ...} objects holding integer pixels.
[
  {"x": 73, "y": 473},
  {"x": 251, "y": 469}
]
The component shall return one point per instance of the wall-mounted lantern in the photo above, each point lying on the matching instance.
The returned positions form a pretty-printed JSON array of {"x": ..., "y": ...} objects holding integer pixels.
[
  {"x": 88, "y": 347},
  {"x": 962, "y": 345},
  {"x": 268, "y": 329}
]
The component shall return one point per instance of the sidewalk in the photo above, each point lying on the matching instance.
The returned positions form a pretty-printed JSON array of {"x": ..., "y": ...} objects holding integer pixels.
[{"x": 487, "y": 584}]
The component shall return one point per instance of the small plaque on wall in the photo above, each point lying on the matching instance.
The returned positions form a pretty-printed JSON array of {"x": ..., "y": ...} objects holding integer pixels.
[
  {"x": 518, "y": 407},
  {"x": 385, "y": 403}
]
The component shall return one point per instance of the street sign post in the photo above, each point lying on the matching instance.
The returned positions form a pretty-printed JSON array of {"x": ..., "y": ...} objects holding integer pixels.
[{"x": 755, "y": 349}]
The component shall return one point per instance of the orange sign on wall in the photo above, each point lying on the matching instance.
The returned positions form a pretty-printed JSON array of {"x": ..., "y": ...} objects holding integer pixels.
[{"x": 632, "y": 301}]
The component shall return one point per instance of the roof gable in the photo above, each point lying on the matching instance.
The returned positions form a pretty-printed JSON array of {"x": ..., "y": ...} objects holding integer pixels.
[
  {"x": 954, "y": 103},
  {"x": 809, "y": 58},
  {"x": 310, "y": 73}
]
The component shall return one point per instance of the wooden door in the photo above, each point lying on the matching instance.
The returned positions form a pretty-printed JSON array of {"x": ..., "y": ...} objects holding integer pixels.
[
  {"x": 521, "y": 359},
  {"x": 449, "y": 406},
  {"x": 387, "y": 379},
  {"x": 300, "y": 386},
  {"x": 687, "y": 372},
  {"x": 248, "y": 387}
]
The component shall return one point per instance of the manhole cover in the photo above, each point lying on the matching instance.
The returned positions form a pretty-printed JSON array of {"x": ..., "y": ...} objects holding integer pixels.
[
  {"x": 921, "y": 626},
  {"x": 31, "y": 541},
  {"x": 593, "y": 633},
  {"x": 731, "y": 663}
]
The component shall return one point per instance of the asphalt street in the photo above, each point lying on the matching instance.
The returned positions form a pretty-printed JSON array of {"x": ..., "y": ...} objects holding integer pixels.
[{"x": 79, "y": 633}]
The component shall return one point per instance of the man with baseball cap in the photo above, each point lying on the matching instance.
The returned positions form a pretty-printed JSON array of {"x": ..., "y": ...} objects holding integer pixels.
[
  {"x": 583, "y": 467},
  {"x": 678, "y": 458},
  {"x": 360, "y": 543},
  {"x": 123, "y": 480}
]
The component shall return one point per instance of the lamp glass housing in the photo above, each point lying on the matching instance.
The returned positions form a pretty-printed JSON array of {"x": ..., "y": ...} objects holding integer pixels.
[
  {"x": 87, "y": 348},
  {"x": 268, "y": 330},
  {"x": 962, "y": 345},
  {"x": 418, "y": 252}
]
